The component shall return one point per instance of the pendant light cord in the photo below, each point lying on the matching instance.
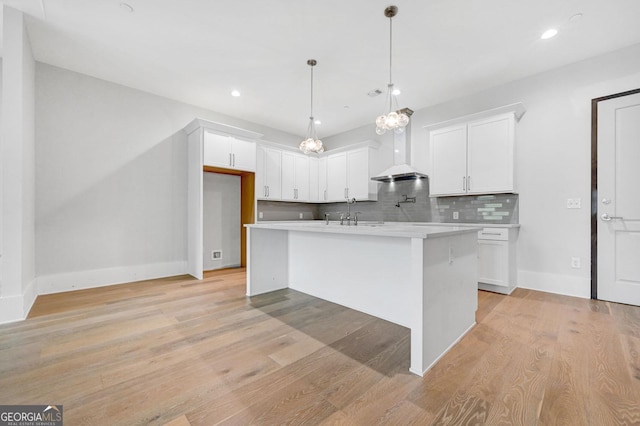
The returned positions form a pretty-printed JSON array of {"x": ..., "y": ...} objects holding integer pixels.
[
  {"x": 311, "y": 108},
  {"x": 390, "y": 47}
]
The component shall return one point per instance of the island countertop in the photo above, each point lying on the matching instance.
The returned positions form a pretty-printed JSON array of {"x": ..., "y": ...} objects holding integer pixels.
[{"x": 393, "y": 229}]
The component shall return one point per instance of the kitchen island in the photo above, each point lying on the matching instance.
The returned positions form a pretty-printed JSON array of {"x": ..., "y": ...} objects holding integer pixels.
[{"x": 419, "y": 276}]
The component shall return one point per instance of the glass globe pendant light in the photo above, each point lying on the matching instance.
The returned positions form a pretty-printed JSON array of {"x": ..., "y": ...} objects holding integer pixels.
[
  {"x": 394, "y": 119},
  {"x": 311, "y": 143}
]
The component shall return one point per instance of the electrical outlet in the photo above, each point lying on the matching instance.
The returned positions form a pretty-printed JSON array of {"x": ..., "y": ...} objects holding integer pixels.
[
  {"x": 456, "y": 215},
  {"x": 574, "y": 203},
  {"x": 260, "y": 215},
  {"x": 575, "y": 262},
  {"x": 216, "y": 255}
]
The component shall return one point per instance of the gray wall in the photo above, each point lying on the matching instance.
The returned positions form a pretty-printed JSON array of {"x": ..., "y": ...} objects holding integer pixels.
[{"x": 111, "y": 180}]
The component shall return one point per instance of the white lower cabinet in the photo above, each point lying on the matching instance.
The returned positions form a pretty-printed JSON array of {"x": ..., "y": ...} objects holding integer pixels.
[{"x": 497, "y": 261}]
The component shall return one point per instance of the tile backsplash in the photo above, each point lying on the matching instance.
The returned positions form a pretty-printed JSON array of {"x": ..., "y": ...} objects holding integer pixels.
[{"x": 392, "y": 207}]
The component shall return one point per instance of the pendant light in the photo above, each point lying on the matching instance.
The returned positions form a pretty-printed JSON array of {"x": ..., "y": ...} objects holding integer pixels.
[
  {"x": 311, "y": 143},
  {"x": 393, "y": 120}
]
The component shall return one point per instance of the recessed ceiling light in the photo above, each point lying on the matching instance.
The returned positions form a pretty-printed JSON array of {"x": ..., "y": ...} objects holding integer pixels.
[
  {"x": 235, "y": 93},
  {"x": 550, "y": 33},
  {"x": 396, "y": 92},
  {"x": 126, "y": 6},
  {"x": 318, "y": 122}
]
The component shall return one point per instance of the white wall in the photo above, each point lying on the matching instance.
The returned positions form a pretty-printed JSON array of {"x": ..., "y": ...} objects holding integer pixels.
[
  {"x": 111, "y": 181},
  {"x": 221, "y": 220},
  {"x": 17, "y": 268},
  {"x": 553, "y": 159}
]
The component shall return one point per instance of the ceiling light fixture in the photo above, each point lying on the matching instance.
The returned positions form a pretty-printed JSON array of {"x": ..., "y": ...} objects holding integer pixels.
[
  {"x": 550, "y": 33},
  {"x": 235, "y": 93},
  {"x": 393, "y": 120},
  {"x": 311, "y": 143}
]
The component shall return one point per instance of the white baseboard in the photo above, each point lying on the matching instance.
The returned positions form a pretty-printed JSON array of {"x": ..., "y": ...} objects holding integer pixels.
[
  {"x": 57, "y": 283},
  {"x": 11, "y": 309},
  {"x": 16, "y": 308},
  {"x": 567, "y": 285}
]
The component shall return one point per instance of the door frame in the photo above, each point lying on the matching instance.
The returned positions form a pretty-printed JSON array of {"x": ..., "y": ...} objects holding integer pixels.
[{"x": 594, "y": 185}]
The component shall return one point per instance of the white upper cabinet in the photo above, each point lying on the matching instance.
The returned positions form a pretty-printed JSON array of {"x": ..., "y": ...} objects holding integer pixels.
[
  {"x": 322, "y": 179},
  {"x": 349, "y": 176},
  {"x": 295, "y": 177},
  {"x": 475, "y": 157},
  {"x": 314, "y": 179},
  {"x": 490, "y": 155},
  {"x": 325, "y": 178},
  {"x": 448, "y": 160},
  {"x": 268, "y": 173},
  {"x": 337, "y": 177},
  {"x": 228, "y": 152}
]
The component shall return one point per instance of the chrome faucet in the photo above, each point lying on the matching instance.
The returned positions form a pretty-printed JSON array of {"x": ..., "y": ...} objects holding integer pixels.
[{"x": 348, "y": 217}]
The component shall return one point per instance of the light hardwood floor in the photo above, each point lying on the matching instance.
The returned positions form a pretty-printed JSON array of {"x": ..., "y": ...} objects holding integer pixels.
[{"x": 182, "y": 352}]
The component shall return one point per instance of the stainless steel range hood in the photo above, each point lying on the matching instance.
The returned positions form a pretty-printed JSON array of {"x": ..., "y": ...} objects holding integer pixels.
[
  {"x": 398, "y": 172},
  {"x": 401, "y": 170}
]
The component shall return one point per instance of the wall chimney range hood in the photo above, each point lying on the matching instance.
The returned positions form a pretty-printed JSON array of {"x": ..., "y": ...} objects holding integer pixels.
[{"x": 401, "y": 170}]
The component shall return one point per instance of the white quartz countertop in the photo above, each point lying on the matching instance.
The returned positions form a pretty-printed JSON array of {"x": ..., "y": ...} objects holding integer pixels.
[{"x": 387, "y": 229}]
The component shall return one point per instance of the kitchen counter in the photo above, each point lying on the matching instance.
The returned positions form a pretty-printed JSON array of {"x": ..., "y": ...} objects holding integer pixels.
[{"x": 421, "y": 276}]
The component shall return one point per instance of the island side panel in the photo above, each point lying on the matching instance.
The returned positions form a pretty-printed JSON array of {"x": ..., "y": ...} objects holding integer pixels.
[
  {"x": 267, "y": 260},
  {"x": 371, "y": 274},
  {"x": 450, "y": 299}
]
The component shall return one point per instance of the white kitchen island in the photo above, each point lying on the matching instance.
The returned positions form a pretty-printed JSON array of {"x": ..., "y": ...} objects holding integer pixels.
[{"x": 420, "y": 277}]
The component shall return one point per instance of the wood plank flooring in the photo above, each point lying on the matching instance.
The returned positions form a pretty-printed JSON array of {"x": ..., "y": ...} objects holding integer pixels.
[{"x": 182, "y": 352}]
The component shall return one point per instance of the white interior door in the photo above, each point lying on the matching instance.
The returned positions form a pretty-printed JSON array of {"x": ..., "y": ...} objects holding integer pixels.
[{"x": 619, "y": 200}]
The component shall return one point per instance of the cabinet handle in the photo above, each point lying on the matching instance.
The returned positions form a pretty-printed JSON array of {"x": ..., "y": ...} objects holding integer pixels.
[
  {"x": 464, "y": 183},
  {"x": 267, "y": 190},
  {"x": 295, "y": 194},
  {"x": 230, "y": 160},
  {"x": 468, "y": 183},
  {"x": 234, "y": 160},
  {"x": 325, "y": 195}
]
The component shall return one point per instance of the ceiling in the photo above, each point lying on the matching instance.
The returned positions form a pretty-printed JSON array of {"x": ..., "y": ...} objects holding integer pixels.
[{"x": 197, "y": 51}]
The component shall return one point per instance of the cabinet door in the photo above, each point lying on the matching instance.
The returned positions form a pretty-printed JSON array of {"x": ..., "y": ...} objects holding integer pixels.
[
  {"x": 358, "y": 174},
  {"x": 322, "y": 179},
  {"x": 337, "y": 177},
  {"x": 314, "y": 189},
  {"x": 217, "y": 150},
  {"x": 243, "y": 154},
  {"x": 448, "y": 148},
  {"x": 490, "y": 155},
  {"x": 302, "y": 178},
  {"x": 288, "y": 176},
  {"x": 268, "y": 165},
  {"x": 261, "y": 172},
  {"x": 493, "y": 262}
]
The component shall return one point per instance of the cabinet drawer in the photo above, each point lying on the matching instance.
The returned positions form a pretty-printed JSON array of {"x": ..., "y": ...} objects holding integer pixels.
[{"x": 500, "y": 234}]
